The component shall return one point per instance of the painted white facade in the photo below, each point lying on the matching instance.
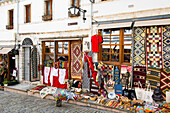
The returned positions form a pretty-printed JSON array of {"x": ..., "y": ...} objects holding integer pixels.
[{"x": 39, "y": 30}]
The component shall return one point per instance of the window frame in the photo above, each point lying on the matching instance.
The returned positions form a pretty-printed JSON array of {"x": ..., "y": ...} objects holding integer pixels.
[
  {"x": 121, "y": 49},
  {"x": 11, "y": 17},
  {"x": 28, "y": 13}
]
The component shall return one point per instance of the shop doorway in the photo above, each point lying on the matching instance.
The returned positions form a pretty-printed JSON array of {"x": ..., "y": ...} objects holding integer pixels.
[{"x": 27, "y": 44}]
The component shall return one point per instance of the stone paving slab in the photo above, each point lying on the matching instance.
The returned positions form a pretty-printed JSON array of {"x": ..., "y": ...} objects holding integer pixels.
[
  {"x": 16, "y": 103},
  {"x": 22, "y": 87}
]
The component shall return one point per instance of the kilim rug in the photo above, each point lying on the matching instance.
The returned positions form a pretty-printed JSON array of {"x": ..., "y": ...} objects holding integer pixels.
[
  {"x": 108, "y": 72},
  {"x": 154, "y": 47},
  {"x": 139, "y": 75},
  {"x": 139, "y": 47},
  {"x": 76, "y": 57},
  {"x": 153, "y": 78},
  {"x": 35, "y": 61},
  {"x": 165, "y": 81},
  {"x": 166, "y": 47}
]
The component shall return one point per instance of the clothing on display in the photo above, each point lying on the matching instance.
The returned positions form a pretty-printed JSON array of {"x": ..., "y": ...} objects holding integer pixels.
[{"x": 96, "y": 40}]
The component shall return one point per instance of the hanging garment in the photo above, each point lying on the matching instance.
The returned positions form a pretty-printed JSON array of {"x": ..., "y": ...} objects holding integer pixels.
[
  {"x": 62, "y": 74},
  {"x": 86, "y": 80},
  {"x": 96, "y": 40},
  {"x": 46, "y": 74}
]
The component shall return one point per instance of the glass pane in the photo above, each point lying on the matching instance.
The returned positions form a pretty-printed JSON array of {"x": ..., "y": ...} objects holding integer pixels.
[
  {"x": 105, "y": 48},
  {"x": 52, "y": 50},
  {"x": 65, "y": 51},
  {"x": 49, "y": 57},
  {"x": 106, "y": 40},
  {"x": 106, "y": 32},
  {"x": 60, "y": 50},
  {"x": 114, "y": 39},
  {"x": 115, "y": 49},
  {"x": 47, "y": 50},
  {"x": 52, "y": 44},
  {"x": 127, "y": 36},
  {"x": 62, "y": 58},
  {"x": 65, "y": 44},
  {"x": 115, "y": 58},
  {"x": 60, "y": 44},
  {"x": 126, "y": 58},
  {"x": 116, "y": 32},
  {"x": 105, "y": 57},
  {"x": 75, "y": 2},
  {"x": 47, "y": 44},
  {"x": 127, "y": 49}
]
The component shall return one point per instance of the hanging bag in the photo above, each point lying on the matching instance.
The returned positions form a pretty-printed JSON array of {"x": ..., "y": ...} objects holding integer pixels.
[
  {"x": 132, "y": 94},
  {"x": 125, "y": 91},
  {"x": 139, "y": 91},
  {"x": 168, "y": 96},
  {"x": 148, "y": 94},
  {"x": 118, "y": 89}
]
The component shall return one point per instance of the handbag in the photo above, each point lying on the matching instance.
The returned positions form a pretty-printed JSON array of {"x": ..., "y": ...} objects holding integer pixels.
[
  {"x": 167, "y": 96},
  {"x": 148, "y": 94},
  {"x": 125, "y": 91},
  {"x": 132, "y": 94},
  {"x": 139, "y": 91},
  {"x": 118, "y": 89},
  {"x": 157, "y": 95}
]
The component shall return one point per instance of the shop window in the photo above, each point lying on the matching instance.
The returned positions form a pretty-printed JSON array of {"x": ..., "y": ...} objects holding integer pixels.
[
  {"x": 116, "y": 46},
  {"x": 58, "y": 48},
  {"x": 28, "y": 13},
  {"x": 10, "y": 23},
  {"x": 48, "y": 11}
]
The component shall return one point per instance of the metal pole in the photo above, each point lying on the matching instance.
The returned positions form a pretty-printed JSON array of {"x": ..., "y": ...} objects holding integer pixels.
[
  {"x": 133, "y": 32},
  {"x": 17, "y": 45},
  {"x": 91, "y": 20}
]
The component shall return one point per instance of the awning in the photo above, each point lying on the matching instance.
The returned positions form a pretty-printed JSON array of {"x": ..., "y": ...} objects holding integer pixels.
[{"x": 5, "y": 50}]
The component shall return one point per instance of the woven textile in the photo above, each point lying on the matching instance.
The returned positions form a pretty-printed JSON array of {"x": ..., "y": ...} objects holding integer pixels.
[
  {"x": 153, "y": 77},
  {"x": 35, "y": 74},
  {"x": 139, "y": 48},
  {"x": 108, "y": 71},
  {"x": 139, "y": 75},
  {"x": 76, "y": 70},
  {"x": 154, "y": 47},
  {"x": 86, "y": 80},
  {"x": 165, "y": 81},
  {"x": 166, "y": 47}
]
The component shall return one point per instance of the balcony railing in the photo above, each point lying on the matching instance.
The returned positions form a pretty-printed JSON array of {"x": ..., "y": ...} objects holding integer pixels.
[
  {"x": 46, "y": 17},
  {"x": 9, "y": 26}
]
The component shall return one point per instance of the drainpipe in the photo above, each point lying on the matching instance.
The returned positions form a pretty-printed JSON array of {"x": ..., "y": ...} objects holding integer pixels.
[
  {"x": 91, "y": 20},
  {"x": 17, "y": 45}
]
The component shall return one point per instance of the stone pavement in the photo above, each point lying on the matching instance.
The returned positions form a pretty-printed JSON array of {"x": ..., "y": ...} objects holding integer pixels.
[{"x": 17, "y": 103}]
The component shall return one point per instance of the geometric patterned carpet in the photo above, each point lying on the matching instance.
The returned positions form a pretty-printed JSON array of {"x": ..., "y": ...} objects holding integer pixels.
[
  {"x": 166, "y": 47},
  {"x": 165, "y": 81},
  {"x": 154, "y": 47},
  {"x": 76, "y": 70},
  {"x": 139, "y": 48}
]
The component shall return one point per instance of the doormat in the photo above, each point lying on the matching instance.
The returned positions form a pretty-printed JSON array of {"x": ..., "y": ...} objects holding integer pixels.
[
  {"x": 153, "y": 78},
  {"x": 154, "y": 47},
  {"x": 166, "y": 47},
  {"x": 165, "y": 81},
  {"x": 35, "y": 61},
  {"x": 139, "y": 48},
  {"x": 76, "y": 70}
]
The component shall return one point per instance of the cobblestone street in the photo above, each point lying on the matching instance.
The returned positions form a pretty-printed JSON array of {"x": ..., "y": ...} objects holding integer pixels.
[{"x": 17, "y": 103}]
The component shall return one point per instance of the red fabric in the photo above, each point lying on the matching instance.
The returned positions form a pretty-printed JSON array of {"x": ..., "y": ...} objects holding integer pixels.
[
  {"x": 96, "y": 40},
  {"x": 56, "y": 82},
  {"x": 94, "y": 74}
]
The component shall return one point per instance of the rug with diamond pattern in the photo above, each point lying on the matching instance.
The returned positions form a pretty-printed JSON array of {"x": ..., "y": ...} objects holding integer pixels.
[
  {"x": 165, "y": 81},
  {"x": 166, "y": 47},
  {"x": 76, "y": 70},
  {"x": 154, "y": 47},
  {"x": 139, "y": 48}
]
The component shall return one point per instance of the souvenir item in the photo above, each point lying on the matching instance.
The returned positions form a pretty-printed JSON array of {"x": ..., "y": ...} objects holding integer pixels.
[
  {"x": 154, "y": 47},
  {"x": 111, "y": 95},
  {"x": 157, "y": 95},
  {"x": 148, "y": 94},
  {"x": 125, "y": 92},
  {"x": 168, "y": 96},
  {"x": 118, "y": 89},
  {"x": 93, "y": 97},
  {"x": 153, "y": 78},
  {"x": 165, "y": 82},
  {"x": 139, "y": 75},
  {"x": 116, "y": 75},
  {"x": 139, "y": 91},
  {"x": 132, "y": 94}
]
